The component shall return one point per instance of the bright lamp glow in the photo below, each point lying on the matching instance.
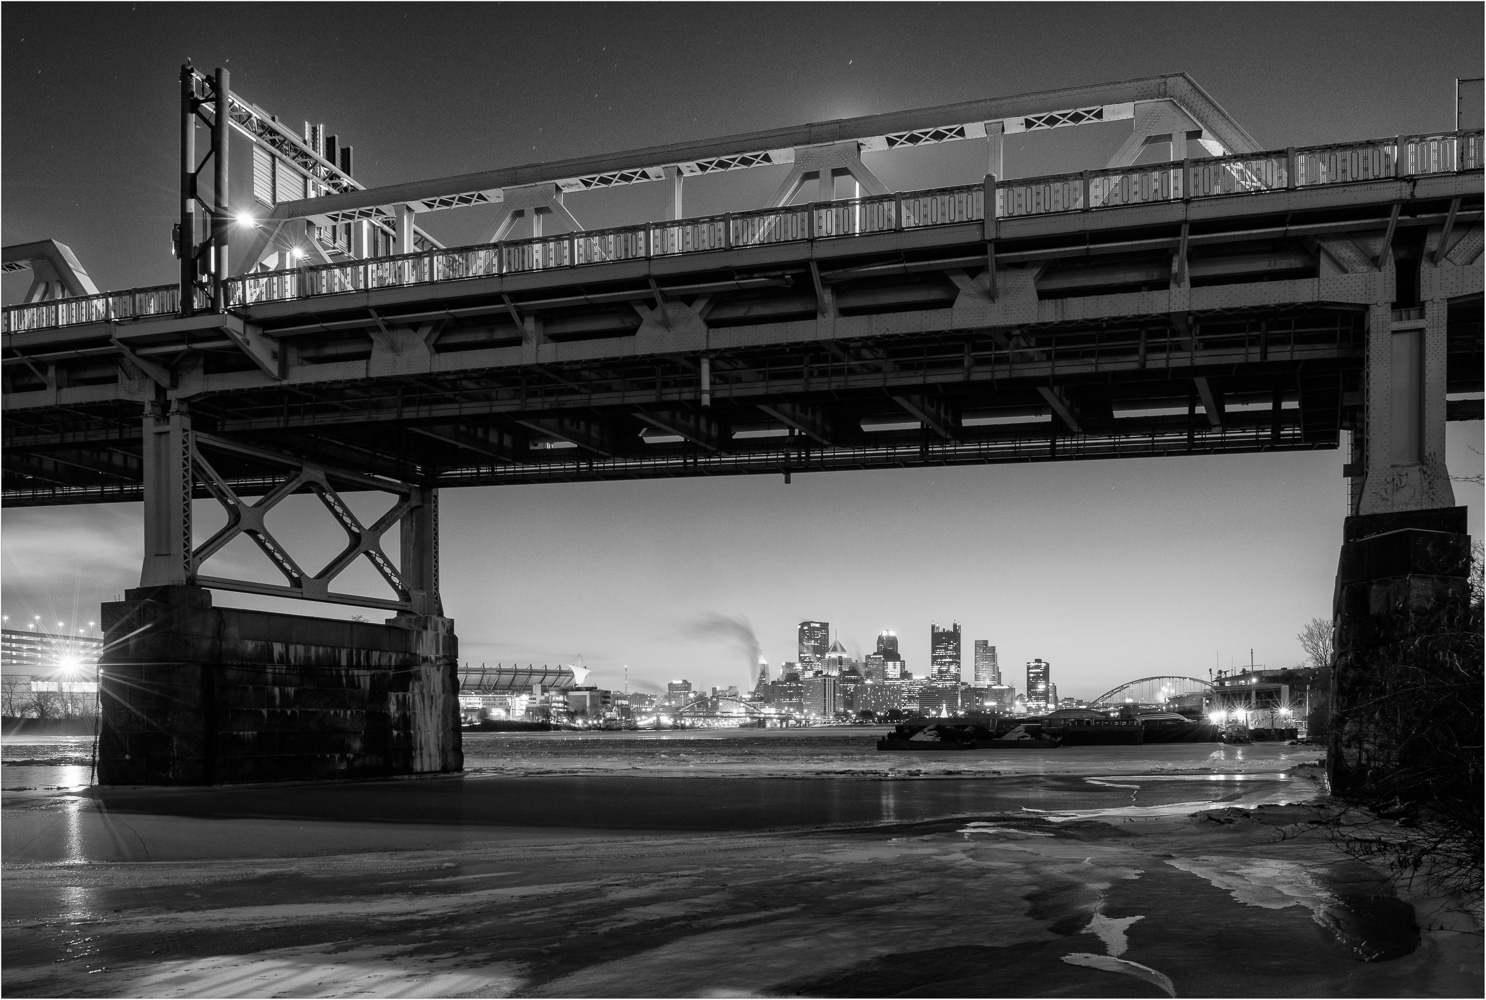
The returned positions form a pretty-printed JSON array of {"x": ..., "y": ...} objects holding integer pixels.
[
  {"x": 244, "y": 219},
  {"x": 296, "y": 253}
]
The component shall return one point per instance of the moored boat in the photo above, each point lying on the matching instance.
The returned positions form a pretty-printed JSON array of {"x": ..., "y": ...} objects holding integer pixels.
[
  {"x": 1024, "y": 737},
  {"x": 1078, "y": 727},
  {"x": 1169, "y": 727},
  {"x": 929, "y": 737},
  {"x": 960, "y": 738}
]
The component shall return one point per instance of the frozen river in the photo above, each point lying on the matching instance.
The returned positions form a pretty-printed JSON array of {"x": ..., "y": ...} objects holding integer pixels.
[
  {"x": 713, "y": 863},
  {"x": 58, "y": 763},
  {"x": 740, "y": 780}
]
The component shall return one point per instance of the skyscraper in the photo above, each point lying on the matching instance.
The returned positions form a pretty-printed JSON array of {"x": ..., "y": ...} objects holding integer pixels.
[
  {"x": 987, "y": 670},
  {"x": 1039, "y": 685},
  {"x": 815, "y": 639},
  {"x": 944, "y": 653},
  {"x": 887, "y": 641},
  {"x": 837, "y": 658}
]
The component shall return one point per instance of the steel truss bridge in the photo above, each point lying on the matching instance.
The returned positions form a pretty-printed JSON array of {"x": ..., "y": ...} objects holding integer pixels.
[
  {"x": 722, "y": 713},
  {"x": 1223, "y": 299}
]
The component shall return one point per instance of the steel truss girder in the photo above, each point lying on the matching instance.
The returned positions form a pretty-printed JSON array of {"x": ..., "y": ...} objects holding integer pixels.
[
  {"x": 1028, "y": 112},
  {"x": 248, "y": 519},
  {"x": 1176, "y": 438},
  {"x": 174, "y": 462},
  {"x": 993, "y": 366}
]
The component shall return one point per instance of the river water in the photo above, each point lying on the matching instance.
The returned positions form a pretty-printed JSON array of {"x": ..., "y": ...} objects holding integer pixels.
[
  {"x": 719, "y": 780},
  {"x": 57, "y": 763},
  {"x": 711, "y": 863}
]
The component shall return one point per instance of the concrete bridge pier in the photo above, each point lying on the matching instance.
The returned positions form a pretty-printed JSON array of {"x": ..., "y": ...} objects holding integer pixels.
[
  {"x": 193, "y": 694},
  {"x": 1405, "y": 557}
]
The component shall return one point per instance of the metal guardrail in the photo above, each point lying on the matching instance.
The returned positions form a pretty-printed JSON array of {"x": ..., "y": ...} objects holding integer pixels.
[
  {"x": 134, "y": 303},
  {"x": 1091, "y": 190}
]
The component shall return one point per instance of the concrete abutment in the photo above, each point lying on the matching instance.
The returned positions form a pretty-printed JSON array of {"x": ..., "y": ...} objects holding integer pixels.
[{"x": 194, "y": 694}]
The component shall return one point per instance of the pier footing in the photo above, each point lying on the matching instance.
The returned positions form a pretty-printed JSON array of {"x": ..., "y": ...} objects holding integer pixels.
[
  {"x": 192, "y": 694},
  {"x": 1402, "y": 576}
]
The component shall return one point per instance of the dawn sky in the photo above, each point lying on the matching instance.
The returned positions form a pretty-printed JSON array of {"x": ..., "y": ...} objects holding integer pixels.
[{"x": 1110, "y": 570}]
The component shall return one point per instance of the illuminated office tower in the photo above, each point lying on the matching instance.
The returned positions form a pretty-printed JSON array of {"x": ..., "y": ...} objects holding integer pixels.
[
  {"x": 1039, "y": 685},
  {"x": 987, "y": 670},
  {"x": 815, "y": 640},
  {"x": 887, "y": 641},
  {"x": 944, "y": 653}
]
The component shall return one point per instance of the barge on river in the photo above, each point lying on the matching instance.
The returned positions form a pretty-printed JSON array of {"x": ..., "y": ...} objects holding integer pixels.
[{"x": 960, "y": 738}]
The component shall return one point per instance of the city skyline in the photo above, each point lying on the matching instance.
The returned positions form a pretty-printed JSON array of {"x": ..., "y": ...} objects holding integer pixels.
[{"x": 1113, "y": 570}]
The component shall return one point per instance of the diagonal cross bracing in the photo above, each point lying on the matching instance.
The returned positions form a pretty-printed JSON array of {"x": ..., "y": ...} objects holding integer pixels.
[{"x": 248, "y": 519}]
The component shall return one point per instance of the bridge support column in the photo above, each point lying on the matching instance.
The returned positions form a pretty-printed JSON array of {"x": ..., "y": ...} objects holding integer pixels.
[
  {"x": 195, "y": 694},
  {"x": 1404, "y": 411},
  {"x": 1405, "y": 554},
  {"x": 167, "y": 496}
]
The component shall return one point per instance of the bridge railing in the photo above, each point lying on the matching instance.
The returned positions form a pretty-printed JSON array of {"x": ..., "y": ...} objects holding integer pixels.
[
  {"x": 771, "y": 225},
  {"x": 1247, "y": 173},
  {"x": 1346, "y": 163},
  {"x": 1041, "y": 195},
  {"x": 134, "y": 303},
  {"x": 1090, "y": 190}
]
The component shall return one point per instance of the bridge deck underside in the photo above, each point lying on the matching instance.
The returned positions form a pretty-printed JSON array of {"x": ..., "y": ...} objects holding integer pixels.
[{"x": 874, "y": 352}]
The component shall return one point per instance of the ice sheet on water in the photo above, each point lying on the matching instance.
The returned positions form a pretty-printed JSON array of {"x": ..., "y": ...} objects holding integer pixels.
[{"x": 847, "y": 751}]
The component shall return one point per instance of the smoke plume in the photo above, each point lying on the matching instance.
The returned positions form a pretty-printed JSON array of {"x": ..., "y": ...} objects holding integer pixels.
[{"x": 735, "y": 631}]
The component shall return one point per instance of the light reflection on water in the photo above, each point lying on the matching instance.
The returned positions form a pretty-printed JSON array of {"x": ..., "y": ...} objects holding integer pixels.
[
  {"x": 19, "y": 777},
  {"x": 889, "y": 797},
  {"x": 46, "y": 762}
]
